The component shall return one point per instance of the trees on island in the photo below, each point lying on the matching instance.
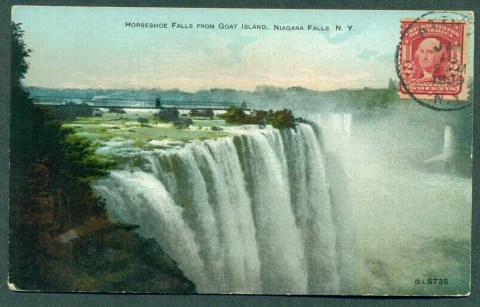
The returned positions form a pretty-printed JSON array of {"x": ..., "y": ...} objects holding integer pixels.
[{"x": 279, "y": 119}]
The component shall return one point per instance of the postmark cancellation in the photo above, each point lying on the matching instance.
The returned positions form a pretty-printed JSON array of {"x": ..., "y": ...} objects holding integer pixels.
[{"x": 434, "y": 59}]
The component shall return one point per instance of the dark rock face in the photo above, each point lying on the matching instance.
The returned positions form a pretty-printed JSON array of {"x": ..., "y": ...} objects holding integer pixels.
[
  {"x": 54, "y": 250},
  {"x": 116, "y": 259},
  {"x": 60, "y": 236}
]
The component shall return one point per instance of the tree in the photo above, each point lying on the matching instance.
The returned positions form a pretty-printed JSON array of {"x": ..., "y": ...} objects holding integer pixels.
[
  {"x": 201, "y": 113},
  {"x": 235, "y": 115},
  {"x": 117, "y": 110},
  {"x": 20, "y": 52},
  {"x": 51, "y": 166},
  {"x": 282, "y": 119},
  {"x": 392, "y": 85},
  {"x": 20, "y": 131},
  {"x": 168, "y": 115},
  {"x": 42, "y": 151},
  {"x": 21, "y": 157},
  {"x": 143, "y": 121}
]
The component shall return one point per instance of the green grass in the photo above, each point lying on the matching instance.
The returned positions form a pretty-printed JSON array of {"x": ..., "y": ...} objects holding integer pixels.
[
  {"x": 200, "y": 122},
  {"x": 103, "y": 129}
]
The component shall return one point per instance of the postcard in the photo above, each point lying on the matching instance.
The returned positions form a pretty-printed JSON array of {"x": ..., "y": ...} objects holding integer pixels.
[{"x": 241, "y": 151}]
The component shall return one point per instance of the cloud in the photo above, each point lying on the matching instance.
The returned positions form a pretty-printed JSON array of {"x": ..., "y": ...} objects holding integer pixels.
[
  {"x": 367, "y": 54},
  {"x": 206, "y": 59},
  {"x": 337, "y": 37},
  {"x": 388, "y": 57}
]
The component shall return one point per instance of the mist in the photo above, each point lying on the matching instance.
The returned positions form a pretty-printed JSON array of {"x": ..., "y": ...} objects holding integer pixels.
[
  {"x": 399, "y": 176},
  {"x": 408, "y": 173}
]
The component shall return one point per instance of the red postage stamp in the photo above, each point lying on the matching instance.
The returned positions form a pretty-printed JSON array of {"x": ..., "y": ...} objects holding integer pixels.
[{"x": 433, "y": 60}]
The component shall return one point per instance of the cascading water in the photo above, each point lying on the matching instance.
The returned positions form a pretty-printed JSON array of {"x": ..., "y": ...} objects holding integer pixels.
[
  {"x": 448, "y": 142},
  {"x": 252, "y": 213}
]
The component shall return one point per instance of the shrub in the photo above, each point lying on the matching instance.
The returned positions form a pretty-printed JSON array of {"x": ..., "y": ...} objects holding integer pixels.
[
  {"x": 116, "y": 110},
  {"x": 235, "y": 115},
  {"x": 260, "y": 117},
  {"x": 143, "y": 121},
  {"x": 183, "y": 122},
  {"x": 202, "y": 113},
  {"x": 279, "y": 119},
  {"x": 168, "y": 115}
]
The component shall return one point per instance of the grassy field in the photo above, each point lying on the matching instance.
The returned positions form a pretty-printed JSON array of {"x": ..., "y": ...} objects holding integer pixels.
[{"x": 150, "y": 135}]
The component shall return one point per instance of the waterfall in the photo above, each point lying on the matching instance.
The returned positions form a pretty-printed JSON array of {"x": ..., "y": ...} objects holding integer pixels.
[
  {"x": 448, "y": 152},
  {"x": 250, "y": 213},
  {"x": 448, "y": 142}
]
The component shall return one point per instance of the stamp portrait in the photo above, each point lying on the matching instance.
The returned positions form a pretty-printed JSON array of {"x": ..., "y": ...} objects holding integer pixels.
[{"x": 433, "y": 59}]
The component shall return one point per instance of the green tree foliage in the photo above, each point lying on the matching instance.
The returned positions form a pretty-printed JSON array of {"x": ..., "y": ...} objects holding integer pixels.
[
  {"x": 392, "y": 85},
  {"x": 143, "y": 121},
  {"x": 43, "y": 151},
  {"x": 50, "y": 195},
  {"x": 235, "y": 115},
  {"x": 117, "y": 110},
  {"x": 201, "y": 113},
  {"x": 19, "y": 53},
  {"x": 20, "y": 131},
  {"x": 368, "y": 99},
  {"x": 279, "y": 119},
  {"x": 183, "y": 123},
  {"x": 168, "y": 115}
]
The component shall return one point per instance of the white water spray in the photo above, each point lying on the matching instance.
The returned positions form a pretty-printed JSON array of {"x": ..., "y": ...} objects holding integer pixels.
[{"x": 252, "y": 213}]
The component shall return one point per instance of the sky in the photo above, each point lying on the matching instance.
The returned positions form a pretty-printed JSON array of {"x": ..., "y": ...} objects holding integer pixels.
[{"x": 85, "y": 47}]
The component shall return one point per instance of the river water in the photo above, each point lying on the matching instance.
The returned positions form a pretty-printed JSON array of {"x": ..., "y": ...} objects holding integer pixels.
[{"x": 336, "y": 206}]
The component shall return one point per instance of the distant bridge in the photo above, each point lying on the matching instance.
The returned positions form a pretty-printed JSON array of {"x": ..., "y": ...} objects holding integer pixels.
[{"x": 127, "y": 103}]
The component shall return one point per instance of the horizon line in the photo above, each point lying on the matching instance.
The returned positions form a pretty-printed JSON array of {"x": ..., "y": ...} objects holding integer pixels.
[{"x": 257, "y": 88}]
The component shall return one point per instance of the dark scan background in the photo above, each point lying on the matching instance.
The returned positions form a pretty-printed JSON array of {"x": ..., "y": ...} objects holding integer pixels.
[{"x": 9, "y": 298}]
